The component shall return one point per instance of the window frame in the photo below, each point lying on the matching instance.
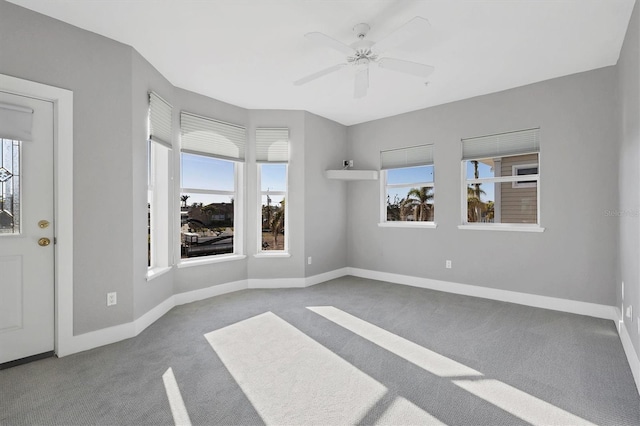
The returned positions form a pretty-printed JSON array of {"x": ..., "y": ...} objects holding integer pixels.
[
  {"x": 285, "y": 194},
  {"x": 384, "y": 185},
  {"x": 159, "y": 192},
  {"x": 482, "y": 226},
  {"x": 238, "y": 216}
]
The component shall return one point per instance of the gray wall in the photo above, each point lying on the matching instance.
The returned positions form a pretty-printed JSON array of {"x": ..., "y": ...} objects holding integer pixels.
[
  {"x": 629, "y": 175},
  {"x": 98, "y": 71},
  {"x": 325, "y": 237},
  {"x": 573, "y": 259}
]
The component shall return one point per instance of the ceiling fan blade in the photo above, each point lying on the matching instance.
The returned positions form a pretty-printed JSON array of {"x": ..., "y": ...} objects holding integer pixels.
[
  {"x": 413, "y": 28},
  {"x": 407, "y": 67},
  {"x": 325, "y": 40},
  {"x": 318, "y": 74},
  {"x": 361, "y": 83}
]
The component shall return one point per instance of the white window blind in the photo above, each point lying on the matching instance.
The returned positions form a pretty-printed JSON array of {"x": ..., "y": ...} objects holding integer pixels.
[
  {"x": 421, "y": 155},
  {"x": 502, "y": 145},
  {"x": 15, "y": 122},
  {"x": 272, "y": 145},
  {"x": 206, "y": 136},
  {"x": 159, "y": 120}
]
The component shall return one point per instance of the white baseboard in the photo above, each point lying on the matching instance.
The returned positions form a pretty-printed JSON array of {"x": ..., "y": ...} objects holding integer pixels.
[
  {"x": 106, "y": 336},
  {"x": 276, "y": 282},
  {"x": 152, "y": 316},
  {"x": 629, "y": 350},
  {"x": 331, "y": 275},
  {"x": 114, "y": 334},
  {"x": 93, "y": 339},
  {"x": 297, "y": 282},
  {"x": 205, "y": 293},
  {"x": 553, "y": 303}
]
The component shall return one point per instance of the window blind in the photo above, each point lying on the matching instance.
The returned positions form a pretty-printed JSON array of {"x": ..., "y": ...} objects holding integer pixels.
[
  {"x": 15, "y": 122},
  {"x": 502, "y": 145},
  {"x": 421, "y": 155},
  {"x": 206, "y": 136},
  {"x": 272, "y": 145},
  {"x": 159, "y": 120}
]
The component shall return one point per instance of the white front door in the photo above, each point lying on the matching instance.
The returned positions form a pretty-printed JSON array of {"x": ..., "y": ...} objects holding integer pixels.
[{"x": 27, "y": 236}]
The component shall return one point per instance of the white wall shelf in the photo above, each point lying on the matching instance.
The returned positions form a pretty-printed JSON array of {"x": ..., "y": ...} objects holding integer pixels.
[{"x": 349, "y": 174}]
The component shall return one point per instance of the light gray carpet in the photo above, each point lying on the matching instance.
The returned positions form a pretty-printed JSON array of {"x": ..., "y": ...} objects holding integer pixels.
[{"x": 575, "y": 364}]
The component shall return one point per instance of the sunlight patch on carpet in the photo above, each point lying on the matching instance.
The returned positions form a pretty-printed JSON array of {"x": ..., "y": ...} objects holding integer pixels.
[
  {"x": 292, "y": 379},
  {"x": 520, "y": 404},
  {"x": 422, "y": 357},
  {"x": 404, "y": 412},
  {"x": 506, "y": 397},
  {"x": 178, "y": 409}
]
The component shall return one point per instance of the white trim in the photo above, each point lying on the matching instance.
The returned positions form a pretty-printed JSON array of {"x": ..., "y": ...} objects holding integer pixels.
[
  {"x": 502, "y": 227},
  {"x": 544, "y": 302},
  {"x": 206, "y": 260},
  {"x": 271, "y": 254},
  {"x": 408, "y": 224},
  {"x": 632, "y": 356},
  {"x": 326, "y": 276},
  {"x": 285, "y": 196},
  {"x": 145, "y": 320},
  {"x": 157, "y": 271},
  {"x": 205, "y": 293},
  {"x": 500, "y": 179},
  {"x": 62, "y": 100},
  {"x": 276, "y": 282}
]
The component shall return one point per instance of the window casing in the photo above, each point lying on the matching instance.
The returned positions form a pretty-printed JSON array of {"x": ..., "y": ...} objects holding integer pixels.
[
  {"x": 211, "y": 210},
  {"x": 158, "y": 200},
  {"x": 272, "y": 157},
  {"x": 494, "y": 193},
  {"x": 159, "y": 185},
  {"x": 407, "y": 187},
  {"x": 273, "y": 214},
  {"x": 208, "y": 206}
]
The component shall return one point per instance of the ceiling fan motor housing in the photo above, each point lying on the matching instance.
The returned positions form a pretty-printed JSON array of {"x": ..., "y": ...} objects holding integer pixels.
[{"x": 361, "y": 30}]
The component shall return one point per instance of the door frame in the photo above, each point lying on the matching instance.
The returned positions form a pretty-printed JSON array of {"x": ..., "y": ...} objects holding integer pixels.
[{"x": 62, "y": 100}]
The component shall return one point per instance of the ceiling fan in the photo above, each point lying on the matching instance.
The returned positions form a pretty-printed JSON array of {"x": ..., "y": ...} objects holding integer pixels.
[{"x": 362, "y": 53}]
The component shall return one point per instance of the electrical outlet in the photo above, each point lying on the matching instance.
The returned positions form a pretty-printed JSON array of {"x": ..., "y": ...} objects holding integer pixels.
[
  {"x": 630, "y": 312},
  {"x": 112, "y": 299},
  {"x": 309, "y": 260},
  {"x": 638, "y": 322},
  {"x": 622, "y": 290},
  {"x": 447, "y": 264},
  {"x": 350, "y": 163}
]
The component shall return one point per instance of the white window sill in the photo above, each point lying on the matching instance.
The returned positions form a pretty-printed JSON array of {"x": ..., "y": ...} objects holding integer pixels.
[
  {"x": 427, "y": 225},
  {"x": 502, "y": 227},
  {"x": 156, "y": 272},
  {"x": 210, "y": 259},
  {"x": 266, "y": 254}
]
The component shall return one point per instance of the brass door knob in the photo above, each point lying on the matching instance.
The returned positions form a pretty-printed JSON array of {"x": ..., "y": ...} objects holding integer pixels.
[{"x": 44, "y": 242}]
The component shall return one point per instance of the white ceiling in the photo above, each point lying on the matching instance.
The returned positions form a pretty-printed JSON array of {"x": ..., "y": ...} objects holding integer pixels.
[{"x": 248, "y": 52}]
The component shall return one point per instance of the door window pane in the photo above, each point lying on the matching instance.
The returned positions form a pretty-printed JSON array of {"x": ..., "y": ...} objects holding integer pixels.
[{"x": 10, "y": 199}]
